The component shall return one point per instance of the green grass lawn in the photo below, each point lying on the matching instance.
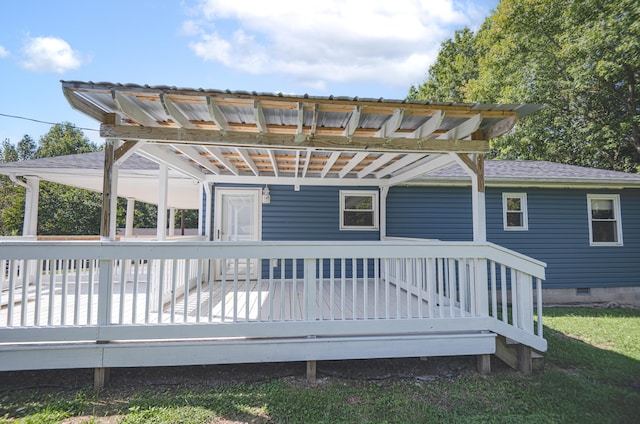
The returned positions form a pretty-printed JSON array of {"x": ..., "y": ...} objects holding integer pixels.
[{"x": 592, "y": 375}]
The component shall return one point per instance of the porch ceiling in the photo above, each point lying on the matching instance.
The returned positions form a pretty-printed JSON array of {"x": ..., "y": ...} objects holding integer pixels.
[{"x": 224, "y": 136}]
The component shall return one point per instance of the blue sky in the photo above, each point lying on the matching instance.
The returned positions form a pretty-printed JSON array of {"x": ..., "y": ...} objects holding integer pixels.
[{"x": 365, "y": 48}]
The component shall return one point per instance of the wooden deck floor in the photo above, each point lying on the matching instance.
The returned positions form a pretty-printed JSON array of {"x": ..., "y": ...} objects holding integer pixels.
[{"x": 220, "y": 302}]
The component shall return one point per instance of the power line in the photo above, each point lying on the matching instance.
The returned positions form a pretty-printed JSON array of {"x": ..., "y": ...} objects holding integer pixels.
[{"x": 44, "y": 122}]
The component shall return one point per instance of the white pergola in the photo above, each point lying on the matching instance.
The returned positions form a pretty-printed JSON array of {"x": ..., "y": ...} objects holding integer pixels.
[{"x": 214, "y": 136}]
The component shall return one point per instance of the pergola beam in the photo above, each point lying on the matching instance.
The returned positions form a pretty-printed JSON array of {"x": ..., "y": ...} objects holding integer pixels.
[
  {"x": 220, "y": 157},
  {"x": 195, "y": 155},
  {"x": 129, "y": 108},
  {"x": 172, "y": 110},
  {"x": 160, "y": 154},
  {"x": 217, "y": 115},
  {"x": 247, "y": 159},
  {"x": 326, "y": 142}
]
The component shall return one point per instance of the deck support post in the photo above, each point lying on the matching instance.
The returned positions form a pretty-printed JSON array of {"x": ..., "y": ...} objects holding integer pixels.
[
  {"x": 311, "y": 370},
  {"x": 101, "y": 377},
  {"x": 525, "y": 361},
  {"x": 484, "y": 364}
]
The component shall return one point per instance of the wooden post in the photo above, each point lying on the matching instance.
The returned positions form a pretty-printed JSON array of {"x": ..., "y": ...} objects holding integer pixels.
[
  {"x": 311, "y": 371},
  {"x": 525, "y": 363},
  {"x": 107, "y": 233},
  {"x": 484, "y": 364},
  {"x": 109, "y": 191},
  {"x": 101, "y": 377}
]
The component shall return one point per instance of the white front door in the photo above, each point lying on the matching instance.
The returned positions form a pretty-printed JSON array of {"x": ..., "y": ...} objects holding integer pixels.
[{"x": 238, "y": 218}]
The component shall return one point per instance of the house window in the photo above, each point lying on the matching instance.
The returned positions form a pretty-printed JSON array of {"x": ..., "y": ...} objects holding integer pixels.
[
  {"x": 605, "y": 227},
  {"x": 358, "y": 210},
  {"x": 514, "y": 211}
]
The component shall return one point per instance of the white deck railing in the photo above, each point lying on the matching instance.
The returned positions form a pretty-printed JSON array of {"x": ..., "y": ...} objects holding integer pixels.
[{"x": 60, "y": 291}]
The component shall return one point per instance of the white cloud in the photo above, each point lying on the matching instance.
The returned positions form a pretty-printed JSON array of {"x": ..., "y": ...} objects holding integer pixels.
[
  {"x": 50, "y": 54},
  {"x": 3, "y": 52},
  {"x": 319, "y": 41}
]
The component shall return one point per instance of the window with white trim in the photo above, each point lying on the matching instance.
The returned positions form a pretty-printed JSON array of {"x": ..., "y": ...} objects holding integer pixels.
[
  {"x": 358, "y": 210},
  {"x": 514, "y": 211},
  {"x": 605, "y": 226}
]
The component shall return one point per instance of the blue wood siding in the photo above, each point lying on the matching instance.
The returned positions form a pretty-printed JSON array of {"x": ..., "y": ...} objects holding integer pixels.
[
  {"x": 430, "y": 212},
  {"x": 313, "y": 213},
  {"x": 558, "y": 231},
  {"x": 559, "y": 235},
  {"x": 558, "y": 222}
]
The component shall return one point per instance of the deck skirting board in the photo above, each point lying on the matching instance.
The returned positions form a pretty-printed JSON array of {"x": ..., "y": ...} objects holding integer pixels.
[{"x": 243, "y": 351}]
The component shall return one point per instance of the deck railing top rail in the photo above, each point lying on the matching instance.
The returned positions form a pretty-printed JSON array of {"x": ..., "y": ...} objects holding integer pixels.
[{"x": 265, "y": 249}]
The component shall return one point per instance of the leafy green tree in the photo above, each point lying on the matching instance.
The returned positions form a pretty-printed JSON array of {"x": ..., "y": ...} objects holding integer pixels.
[
  {"x": 457, "y": 63},
  {"x": 64, "y": 139},
  {"x": 581, "y": 59},
  {"x": 26, "y": 148}
]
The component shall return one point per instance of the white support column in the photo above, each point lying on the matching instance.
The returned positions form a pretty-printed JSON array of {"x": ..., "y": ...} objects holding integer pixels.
[
  {"x": 208, "y": 189},
  {"x": 384, "y": 191},
  {"x": 163, "y": 182},
  {"x": 30, "y": 225},
  {"x": 172, "y": 221},
  {"x": 201, "y": 210},
  {"x": 479, "y": 211},
  {"x": 131, "y": 205}
]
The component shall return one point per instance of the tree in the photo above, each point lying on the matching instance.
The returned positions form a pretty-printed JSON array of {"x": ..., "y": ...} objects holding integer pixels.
[
  {"x": 457, "y": 63},
  {"x": 64, "y": 139},
  {"x": 581, "y": 59},
  {"x": 26, "y": 148}
]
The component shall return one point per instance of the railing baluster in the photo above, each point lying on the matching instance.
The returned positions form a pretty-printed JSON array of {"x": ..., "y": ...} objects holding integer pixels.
[
  {"x": 223, "y": 288},
  {"x": 235, "y": 290},
  {"x": 211, "y": 282},
  {"x": 76, "y": 300},
  {"x": 409, "y": 281},
  {"x": 453, "y": 284},
  {"x": 90, "y": 294},
  {"x": 332, "y": 289},
  {"x": 343, "y": 294},
  {"x": 38, "y": 293},
  {"x": 198, "y": 289},
  {"x": 271, "y": 287},
  {"x": 247, "y": 292},
  {"x": 52, "y": 291},
  {"x": 514, "y": 299},
  {"x": 441, "y": 285},
  {"x": 283, "y": 269},
  {"x": 25, "y": 292},
  {"x": 494, "y": 294},
  {"x": 186, "y": 283},
  {"x": 538, "y": 283},
  {"x": 354, "y": 288},
  {"x": 376, "y": 287},
  {"x": 397, "y": 282},
  {"x": 365, "y": 284}
]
